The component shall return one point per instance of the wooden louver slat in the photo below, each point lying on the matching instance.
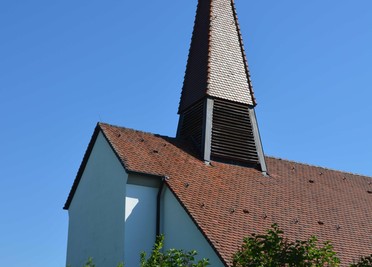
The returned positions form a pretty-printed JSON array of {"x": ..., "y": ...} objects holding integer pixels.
[
  {"x": 192, "y": 124},
  {"x": 232, "y": 132}
]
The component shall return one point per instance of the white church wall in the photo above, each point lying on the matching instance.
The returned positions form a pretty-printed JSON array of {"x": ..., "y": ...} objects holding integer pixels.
[
  {"x": 140, "y": 222},
  {"x": 180, "y": 231},
  {"x": 96, "y": 213}
]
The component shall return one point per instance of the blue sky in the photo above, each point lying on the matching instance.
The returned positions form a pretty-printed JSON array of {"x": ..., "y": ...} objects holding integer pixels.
[{"x": 65, "y": 65}]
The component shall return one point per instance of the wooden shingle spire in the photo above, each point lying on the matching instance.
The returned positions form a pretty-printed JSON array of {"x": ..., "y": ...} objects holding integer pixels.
[{"x": 217, "y": 102}]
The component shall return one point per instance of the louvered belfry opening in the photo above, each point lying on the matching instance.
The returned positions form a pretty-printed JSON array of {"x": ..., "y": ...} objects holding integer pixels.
[
  {"x": 232, "y": 133},
  {"x": 217, "y": 100},
  {"x": 191, "y": 124}
]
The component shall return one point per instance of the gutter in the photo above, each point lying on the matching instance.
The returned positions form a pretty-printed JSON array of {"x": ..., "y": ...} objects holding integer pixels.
[{"x": 158, "y": 204}]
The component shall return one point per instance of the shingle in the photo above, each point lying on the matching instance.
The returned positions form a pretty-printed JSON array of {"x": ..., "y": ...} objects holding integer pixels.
[{"x": 217, "y": 65}]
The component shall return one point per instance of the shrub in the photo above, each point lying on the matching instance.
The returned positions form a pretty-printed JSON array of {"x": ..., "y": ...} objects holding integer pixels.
[
  {"x": 273, "y": 250},
  {"x": 171, "y": 258}
]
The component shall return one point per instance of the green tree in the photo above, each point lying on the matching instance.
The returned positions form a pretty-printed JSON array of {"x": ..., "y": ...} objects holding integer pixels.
[
  {"x": 363, "y": 262},
  {"x": 171, "y": 258},
  {"x": 269, "y": 250},
  {"x": 89, "y": 263},
  {"x": 273, "y": 250}
]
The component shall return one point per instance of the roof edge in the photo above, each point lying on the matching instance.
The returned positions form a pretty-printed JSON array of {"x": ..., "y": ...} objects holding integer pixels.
[
  {"x": 132, "y": 129},
  {"x": 83, "y": 164},
  {"x": 98, "y": 129},
  {"x": 146, "y": 174},
  {"x": 209, "y": 50},
  {"x": 112, "y": 147},
  {"x": 197, "y": 225},
  {"x": 235, "y": 14}
]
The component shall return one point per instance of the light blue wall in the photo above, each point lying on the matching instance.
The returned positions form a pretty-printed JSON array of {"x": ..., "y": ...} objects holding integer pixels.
[
  {"x": 96, "y": 213},
  {"x": 180, "y": 231},
  {"x": 112, "y": 216},
  {"x": 140, "y": 223}
]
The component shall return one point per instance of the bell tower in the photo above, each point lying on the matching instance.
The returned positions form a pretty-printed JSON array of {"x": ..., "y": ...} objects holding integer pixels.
[{"x": 217, "y": 101}]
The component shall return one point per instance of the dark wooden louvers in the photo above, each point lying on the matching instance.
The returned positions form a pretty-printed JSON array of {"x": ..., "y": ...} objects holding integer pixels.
[
  {"x": 192, "y": 124},
  {"x": 232, "y": 132}
]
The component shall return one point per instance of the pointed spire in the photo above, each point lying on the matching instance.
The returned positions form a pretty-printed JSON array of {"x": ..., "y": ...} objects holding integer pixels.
[
  {"x": 217, "y": 64},
  {"x": 217, "y": 102}
]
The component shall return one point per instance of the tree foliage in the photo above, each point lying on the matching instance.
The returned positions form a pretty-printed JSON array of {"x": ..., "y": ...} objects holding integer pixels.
[
  {"x": 273, "y": 250},
  {"x": 90, "y": 263},
  {"x": 363, "y": 262},
  {"x": 269, "y": 250},
  {"x": 171, "y": 258}
]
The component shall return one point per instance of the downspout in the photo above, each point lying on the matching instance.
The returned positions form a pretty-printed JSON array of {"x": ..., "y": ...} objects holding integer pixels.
[{"x": 158, "y": 205}]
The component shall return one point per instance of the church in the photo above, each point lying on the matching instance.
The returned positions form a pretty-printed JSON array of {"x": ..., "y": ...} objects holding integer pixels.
[{"x": 211, "y": 185}]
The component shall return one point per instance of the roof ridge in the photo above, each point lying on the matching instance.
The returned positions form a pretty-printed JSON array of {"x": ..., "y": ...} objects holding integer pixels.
[
  {"x": 132, "y": 129},
  {"x": 318, "y": 166}
]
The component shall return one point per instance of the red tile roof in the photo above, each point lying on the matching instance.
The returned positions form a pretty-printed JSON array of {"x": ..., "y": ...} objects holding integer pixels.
[{"x": 229, "y": 202}]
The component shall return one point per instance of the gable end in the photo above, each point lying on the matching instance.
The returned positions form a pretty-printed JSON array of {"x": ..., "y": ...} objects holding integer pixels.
[{"x": 83, "y": 164}]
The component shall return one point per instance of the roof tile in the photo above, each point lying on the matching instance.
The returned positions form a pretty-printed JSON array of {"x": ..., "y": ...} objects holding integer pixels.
[{"x": 229, "y": 202}]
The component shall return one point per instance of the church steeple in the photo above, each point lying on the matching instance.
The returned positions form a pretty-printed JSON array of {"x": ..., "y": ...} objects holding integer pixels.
[{"x": 217, "y": 101}]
